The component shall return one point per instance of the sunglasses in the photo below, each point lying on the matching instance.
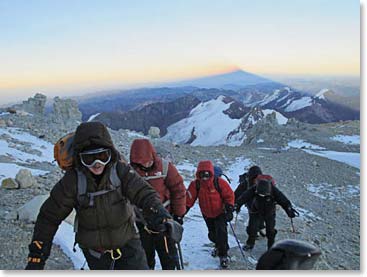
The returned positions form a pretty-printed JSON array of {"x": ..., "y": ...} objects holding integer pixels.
[
  {"x": 204, "y": 175},
  {"x": 90, "y": 158}
]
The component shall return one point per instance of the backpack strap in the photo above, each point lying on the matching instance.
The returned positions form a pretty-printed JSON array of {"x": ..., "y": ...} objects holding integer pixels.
[
  {"x": 162, "y": 175},
  {"x": 82, "y": 185},
  {"x": 216, "y": 185}
]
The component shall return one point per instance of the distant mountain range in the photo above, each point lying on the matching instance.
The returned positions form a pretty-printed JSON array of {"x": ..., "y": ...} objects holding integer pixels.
[{"x": 163, "y": 107}]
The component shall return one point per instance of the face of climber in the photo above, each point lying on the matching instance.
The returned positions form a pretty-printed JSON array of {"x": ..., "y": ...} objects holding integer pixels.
[{"x": 96, "y": 160}]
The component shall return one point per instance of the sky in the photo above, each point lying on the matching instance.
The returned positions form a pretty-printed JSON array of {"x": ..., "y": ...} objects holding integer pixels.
[{"x": 66, "y": 47}]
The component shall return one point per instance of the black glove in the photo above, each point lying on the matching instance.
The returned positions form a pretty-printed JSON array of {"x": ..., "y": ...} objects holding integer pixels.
[
  {"x": 38, "y": 254},
  {"x": 229, "y": 212},
  {"x": 291, "y": 212},
  {"x": 156, "y": 217},
  {"x": 237, "y": 207},
  {"x": 174, "y": 230},
  {"x": 178, "y": 219}
]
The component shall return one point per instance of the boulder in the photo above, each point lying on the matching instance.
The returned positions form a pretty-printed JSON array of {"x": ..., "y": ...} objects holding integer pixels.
[
  {"x": 154, "y": 132},
  {"x": 34, "y": 105},
  {"x": 9, "y": 183},
  {"x": 66, "y": 110},
  {"x": 29, "y": 211},
  {"x": 25, "y": 179}
]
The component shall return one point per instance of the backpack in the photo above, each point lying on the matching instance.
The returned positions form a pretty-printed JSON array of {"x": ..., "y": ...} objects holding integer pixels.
[
  {"x": 218, "y": 172},
  {"x": 264, "y": 184},
  {"x": 64, "y": 152}
]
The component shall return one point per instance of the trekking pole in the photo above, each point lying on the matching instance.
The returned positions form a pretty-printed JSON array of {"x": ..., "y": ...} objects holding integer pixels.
[
  {"x": 180, "y": 255},
  {"x": 293, "y": 230},
  {"x": 235, "y": 221},
  {"x": 82, "y": 268},
  {"x": 239, "y": 245}
]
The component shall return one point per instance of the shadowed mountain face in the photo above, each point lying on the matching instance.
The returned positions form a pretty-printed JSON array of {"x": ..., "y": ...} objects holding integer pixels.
[
  {"x": 161, "y": 114},
  {"x": 232, "y": 80}
]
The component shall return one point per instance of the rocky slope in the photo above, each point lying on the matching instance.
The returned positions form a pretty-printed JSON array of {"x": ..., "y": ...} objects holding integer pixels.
[{"x": 326, "y": 192}]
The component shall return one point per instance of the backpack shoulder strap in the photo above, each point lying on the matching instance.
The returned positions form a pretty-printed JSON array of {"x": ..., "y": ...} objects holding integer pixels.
[
  {"x": 216, "y": 185},
  {"x": 82, "y": 185},
  {"x": 165, "y": 164},
  {"x": 114, "y": 178}
]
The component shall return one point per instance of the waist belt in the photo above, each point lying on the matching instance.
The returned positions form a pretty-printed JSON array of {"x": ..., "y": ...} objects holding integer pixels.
[{"x": 114, "y": 253}]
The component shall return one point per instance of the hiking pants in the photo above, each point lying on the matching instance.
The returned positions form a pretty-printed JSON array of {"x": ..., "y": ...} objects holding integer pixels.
[
  {"x": 132, "y": 258},
  {"x": 254, "y": 221},
  {"x": 217, "y": 233},
  {"x": 156, "y": 242}
]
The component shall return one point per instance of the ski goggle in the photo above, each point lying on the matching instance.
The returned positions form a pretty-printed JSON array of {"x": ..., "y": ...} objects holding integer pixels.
[
  {"x": 100, "y": 155},
  {"x": 205, "y": 175}
]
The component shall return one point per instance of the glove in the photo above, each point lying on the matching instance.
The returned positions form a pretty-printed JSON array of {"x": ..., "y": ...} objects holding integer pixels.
[
  {"x": 291, "y": 212},
  {"x": 229, "y": 212},
  {"x": 174, "y": 230},
  {"x": 156, "y": 217},
  {"x": 237, "y": 207},
  {"x": 38, "y": 254},
  {"x": 178, "y": 219}
]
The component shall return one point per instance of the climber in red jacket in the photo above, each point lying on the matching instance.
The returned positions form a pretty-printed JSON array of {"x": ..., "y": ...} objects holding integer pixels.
[{"x": 216, "y": 200}]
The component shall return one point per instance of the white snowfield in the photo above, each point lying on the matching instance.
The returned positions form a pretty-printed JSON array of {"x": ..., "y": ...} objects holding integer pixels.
[
  {"x": 299, "y": 104},
  {"x": 350, "y": 158},
  {"x": 211, "y": 126},
  {"x": 43, "y": 149},
  {"x": 355, "y": 139}
]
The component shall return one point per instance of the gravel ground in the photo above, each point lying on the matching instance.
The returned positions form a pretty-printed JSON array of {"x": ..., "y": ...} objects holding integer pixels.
[{"x": 329, "y": 218}]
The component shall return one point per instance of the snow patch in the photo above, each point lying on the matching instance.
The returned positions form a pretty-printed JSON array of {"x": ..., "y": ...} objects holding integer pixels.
[
  {"x": 92, "y": 117},
  {"x": 355, "y": 139},
  {"x": 299, "y": 104},
  {"x": 9, "y": 170},
  {"x": 281, "y": 119},
  {"x": 64, "y": 237},
  {"x": 321, "y": 93},
  {"x": 300, "y": 144},
  {"x": 349, "y": 158}
]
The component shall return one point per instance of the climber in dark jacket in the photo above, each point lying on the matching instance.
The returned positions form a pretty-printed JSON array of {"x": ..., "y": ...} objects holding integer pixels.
[
  {"x": 106, "y": 230},
  {"x": 246, "y": 181},
  {"x": 264, "y": 196}
]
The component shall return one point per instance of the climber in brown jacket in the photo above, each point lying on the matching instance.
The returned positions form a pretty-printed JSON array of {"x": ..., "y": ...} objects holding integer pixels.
[
  {"x": 165, "y": 179},
  {"x": 100, "y": 187}
]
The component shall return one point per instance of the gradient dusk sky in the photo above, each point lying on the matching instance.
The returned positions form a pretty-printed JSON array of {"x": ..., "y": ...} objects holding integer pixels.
[{"x": 81, "y": 45}]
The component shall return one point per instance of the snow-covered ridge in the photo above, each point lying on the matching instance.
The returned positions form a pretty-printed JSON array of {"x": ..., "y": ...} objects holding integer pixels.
[
  {"x": 299, "y": 104},
  {"x": 207, "y": 121},
  {"x": 208, "y": 125},
  {"x": 321, "y": 93}
]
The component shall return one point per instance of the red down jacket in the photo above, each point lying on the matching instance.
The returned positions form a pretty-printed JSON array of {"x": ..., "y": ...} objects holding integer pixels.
[
  {"x": 210, "y": 201},
  {"x": 170, "y": 188}
]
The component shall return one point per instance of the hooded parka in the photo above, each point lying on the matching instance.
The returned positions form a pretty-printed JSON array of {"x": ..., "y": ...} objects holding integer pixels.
[
  {"x": 109, "y": 223},
  {"x": 170, "y": 187},
  {"x": 211, "y": 202}
]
